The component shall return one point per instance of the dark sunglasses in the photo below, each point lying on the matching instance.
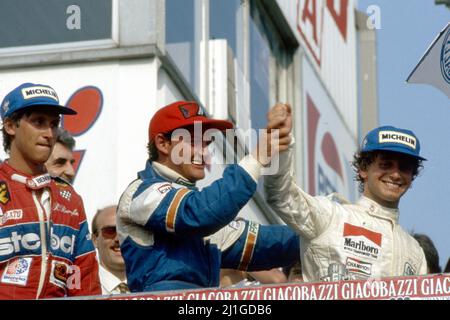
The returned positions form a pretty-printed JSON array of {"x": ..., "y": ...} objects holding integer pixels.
[{"x": 109, "y": 232}]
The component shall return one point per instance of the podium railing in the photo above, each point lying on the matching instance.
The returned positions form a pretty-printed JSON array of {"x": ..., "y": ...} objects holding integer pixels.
[{"x": 430, "y": 287}]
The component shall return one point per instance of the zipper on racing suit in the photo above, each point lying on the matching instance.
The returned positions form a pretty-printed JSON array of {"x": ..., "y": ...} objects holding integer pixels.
[
  {"x": 394, "y": 265},
  {"x": 43, "y": 228}
]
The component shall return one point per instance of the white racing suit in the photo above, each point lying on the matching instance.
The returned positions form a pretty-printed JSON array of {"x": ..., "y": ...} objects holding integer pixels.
[{"x": 341, "y": 241}]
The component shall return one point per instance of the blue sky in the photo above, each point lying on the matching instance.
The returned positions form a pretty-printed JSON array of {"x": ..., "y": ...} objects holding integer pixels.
[{"x": 407, "y": 29}]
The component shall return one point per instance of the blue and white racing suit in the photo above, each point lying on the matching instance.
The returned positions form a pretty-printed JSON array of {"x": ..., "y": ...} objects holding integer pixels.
[{"x": 174, "y": 236}]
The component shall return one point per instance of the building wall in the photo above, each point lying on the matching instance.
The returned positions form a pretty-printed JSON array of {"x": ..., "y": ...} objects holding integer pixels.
[
  {"x": 327, "y": 33},
  {"x": 111, "y": 131},
  {"x": 156, "y": 56}
]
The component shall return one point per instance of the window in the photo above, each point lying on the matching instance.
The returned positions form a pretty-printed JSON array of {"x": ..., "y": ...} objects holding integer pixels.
[
  {"x": 226, "y": 22},
  {"x": 52, "y": 25},
  {"x": 183, "y": 38},
  {"x": 268, "y": 60}
]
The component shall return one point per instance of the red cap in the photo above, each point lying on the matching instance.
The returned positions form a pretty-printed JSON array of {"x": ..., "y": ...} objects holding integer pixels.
[{"x": 182, "y": 114}]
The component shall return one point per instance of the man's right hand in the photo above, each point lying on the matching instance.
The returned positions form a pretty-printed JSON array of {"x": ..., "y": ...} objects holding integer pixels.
[
  {"x": 277, "y": 135},
  {"x": 280, "y": 118}
]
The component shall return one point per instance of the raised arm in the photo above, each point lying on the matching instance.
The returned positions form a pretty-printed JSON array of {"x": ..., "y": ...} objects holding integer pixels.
[{"x": 307, "y": 215}]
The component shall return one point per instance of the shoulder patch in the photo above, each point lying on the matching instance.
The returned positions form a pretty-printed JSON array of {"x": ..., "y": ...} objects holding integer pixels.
[
  {"x": 65, "y": 189},
  {"x": 165, "y": 187},
  {"x": 4, "y": 193}
]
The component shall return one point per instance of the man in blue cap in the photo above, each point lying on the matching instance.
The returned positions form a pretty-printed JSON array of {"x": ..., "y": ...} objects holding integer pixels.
[
  {"x": 45, "y": 251},
  {"x": 344, "y": 241}
]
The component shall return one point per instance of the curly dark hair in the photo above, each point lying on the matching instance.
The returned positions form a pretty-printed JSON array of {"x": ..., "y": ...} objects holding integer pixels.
[{"x": 362, "y": 161}]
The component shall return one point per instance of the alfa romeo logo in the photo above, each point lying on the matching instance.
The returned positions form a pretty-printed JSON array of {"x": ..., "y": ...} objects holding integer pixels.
[{"x": 445, "y": 57}]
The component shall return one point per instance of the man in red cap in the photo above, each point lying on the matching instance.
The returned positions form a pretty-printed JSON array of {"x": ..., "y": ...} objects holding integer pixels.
[
  {"x": 174, "y": 236},
  {"x": 45, "y": 251}
]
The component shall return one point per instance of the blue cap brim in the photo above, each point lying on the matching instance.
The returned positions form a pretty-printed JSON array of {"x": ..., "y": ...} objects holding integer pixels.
[
  {"x": 397, "y": 150},
  {"x": 50, "y": 107}
]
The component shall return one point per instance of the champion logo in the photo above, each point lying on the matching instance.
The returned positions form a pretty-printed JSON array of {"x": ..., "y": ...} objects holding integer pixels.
[{"x": 359, "y": 266}]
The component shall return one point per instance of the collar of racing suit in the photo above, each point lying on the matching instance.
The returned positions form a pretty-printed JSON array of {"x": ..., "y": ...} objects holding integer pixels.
[
  {"x": 374, "y": 209},
  {"x": 32, "y": 182},
  {"x": 171, "y": 175}
]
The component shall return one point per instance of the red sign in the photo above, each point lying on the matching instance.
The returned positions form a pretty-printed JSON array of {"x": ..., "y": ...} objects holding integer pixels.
[
  {"x": 88, "y": 102},
  {"x": 310, "y": 22}
]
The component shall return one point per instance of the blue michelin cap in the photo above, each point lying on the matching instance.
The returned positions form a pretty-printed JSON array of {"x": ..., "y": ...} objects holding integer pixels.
[
  {"x": 389, "y": 138},
  {"x": 32, "y": 95}
]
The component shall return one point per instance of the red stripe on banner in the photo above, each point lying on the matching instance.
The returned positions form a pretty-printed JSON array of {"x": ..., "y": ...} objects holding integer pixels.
[{"x": 429, "y": 287}]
